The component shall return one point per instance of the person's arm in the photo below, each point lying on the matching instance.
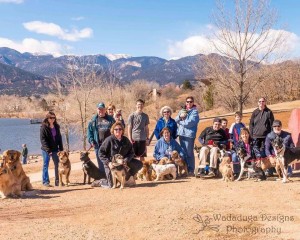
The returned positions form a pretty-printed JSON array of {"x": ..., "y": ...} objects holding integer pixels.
[
  {"x": 179, "y": 149},
  {"x": 156, "y": 130},
  {"x": 191, "y": 120},
  {"x": 105, "y": 151},
  {"x": 251, "y": 124},
  {"x": 202, "y": 136},
  {"x": 60, "y": 142},
  {"x": 44, "y": 140},
  {"x": 130, "y": 153},
  {"x": 157, "y": 154},
  {"x": 290, "y": 143},
  {"x": 130, "y": 128},
  {"x": 90, "y": 134}
]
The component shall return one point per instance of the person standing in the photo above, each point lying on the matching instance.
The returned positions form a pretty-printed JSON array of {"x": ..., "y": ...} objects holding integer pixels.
[
  {"x": 166, "y": 121},
  {"x": 138, "y": 131},
  {"x": 51, "y": 142},
  {"x": 98, "y": 130},
  {"x": 187, "y": 121},
  {"x": 24, "y": 153},
  {"x": 261, "y": 124}
]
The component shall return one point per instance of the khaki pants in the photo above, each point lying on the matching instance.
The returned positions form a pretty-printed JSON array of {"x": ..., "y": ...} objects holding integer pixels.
[{"x": 213, "y": 156}]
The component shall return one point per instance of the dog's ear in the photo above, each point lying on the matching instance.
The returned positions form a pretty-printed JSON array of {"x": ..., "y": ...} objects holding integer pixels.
[
  {"x": 18, "y": 154},
  {"x": 58, "y": 153}
]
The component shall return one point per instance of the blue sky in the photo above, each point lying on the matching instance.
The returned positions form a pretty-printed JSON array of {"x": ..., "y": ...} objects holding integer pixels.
[{"x": 163, "y": 28}]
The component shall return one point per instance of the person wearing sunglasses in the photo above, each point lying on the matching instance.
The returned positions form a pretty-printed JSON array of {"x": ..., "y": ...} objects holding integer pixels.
[
  {"x": 166, "y": 121},
  {"x": 117, "y": 143},
  {"x": 98, "y": 130},
  {"x": 51, "y": 142},
  {"x": 261, "y": 124},
  {"x": 287, "y": 142},
  {"x": 187, "y": 121}
]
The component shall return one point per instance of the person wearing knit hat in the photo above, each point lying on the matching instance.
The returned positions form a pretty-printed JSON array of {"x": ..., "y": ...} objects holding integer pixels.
[{"x": 166, "y": 121}]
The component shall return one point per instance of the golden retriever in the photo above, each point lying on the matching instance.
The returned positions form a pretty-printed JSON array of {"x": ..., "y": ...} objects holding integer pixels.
[
  {"x": 64, "y": 167},
  {"x": 147, "y": 171},
  {"x": 12, "y": 161},
  {"x": 9, "y": 186}
]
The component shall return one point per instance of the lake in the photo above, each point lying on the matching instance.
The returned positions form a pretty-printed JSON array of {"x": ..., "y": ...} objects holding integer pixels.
[{"x": 14, "y": 132}]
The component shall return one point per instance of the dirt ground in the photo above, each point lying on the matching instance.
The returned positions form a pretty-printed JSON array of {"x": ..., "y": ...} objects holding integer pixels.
[{"x": 186, "y": 208}]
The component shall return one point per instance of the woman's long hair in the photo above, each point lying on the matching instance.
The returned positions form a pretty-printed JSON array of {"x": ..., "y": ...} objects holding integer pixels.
[{"x": 46, "y": 121}]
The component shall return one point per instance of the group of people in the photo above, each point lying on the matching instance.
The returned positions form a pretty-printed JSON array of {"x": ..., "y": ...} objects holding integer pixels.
[{"x": 106, "y": 130}]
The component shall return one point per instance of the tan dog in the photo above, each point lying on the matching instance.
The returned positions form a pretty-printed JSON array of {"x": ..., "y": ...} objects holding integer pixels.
[
  {"x": 226, "y": 169},
  {"x": 269, "y": 162},
  {"x": 180, "y": 163},
  {"x": 117, "y": 170},
  {"x": 12, "y": 161},
  {"x": 8, "y": 183},
  {"x": 147, "y": 171},
  {"x": 64, "y": 167}
]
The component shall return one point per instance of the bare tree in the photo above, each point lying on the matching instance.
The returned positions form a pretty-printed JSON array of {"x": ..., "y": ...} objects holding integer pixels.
[{"x": 244, "y": 38}]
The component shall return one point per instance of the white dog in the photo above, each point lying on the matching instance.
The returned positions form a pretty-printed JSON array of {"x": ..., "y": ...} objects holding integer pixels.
[{"x": 162, "y": 170}]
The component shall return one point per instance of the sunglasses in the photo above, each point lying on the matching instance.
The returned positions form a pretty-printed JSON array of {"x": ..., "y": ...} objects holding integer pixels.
[
  {"x": 276, "y": 126},
  {"x": 166, "y": 112},
  {"x": 118, "y": 129},
  {"x": 189, "y": 101},
  {"x": 261, "y": 101},
  {"x": 52, "y": 118}
]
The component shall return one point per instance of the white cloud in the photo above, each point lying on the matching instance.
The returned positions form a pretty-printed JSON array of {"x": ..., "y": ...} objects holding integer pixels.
[
  {"x": 55, "y": 30},
  {"x": 77, "y": 18},
  {"x": 12, "y": 1},
  {"x": 200, "y": 44},
  {"x": 33, "y": 46}
]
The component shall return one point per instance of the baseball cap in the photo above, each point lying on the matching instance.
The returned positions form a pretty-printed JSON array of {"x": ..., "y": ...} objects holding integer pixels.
[
  {"x": 277, "y": 123},
  {"x": 101, "y": 105}
]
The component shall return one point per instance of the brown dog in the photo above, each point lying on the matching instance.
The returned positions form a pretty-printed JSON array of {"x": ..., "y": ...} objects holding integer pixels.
[
  {"x": 8, "y": 183},
  {"x": 64, "y": 167},
  {"x": 12, "y": 161},
  {"x": 118, "y": 171},
  {"x": 269, "y": 162},
  {"x": 180, "y": 163},
  {"x": 226, "y": 169},
  {"x": 147, "y": 171}
]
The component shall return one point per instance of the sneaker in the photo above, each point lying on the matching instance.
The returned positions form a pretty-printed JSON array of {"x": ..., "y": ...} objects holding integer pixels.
[
  {"x": 211, "y": 172},
  {"x": 47, "y": 185},
  {"x": 200, "y": 173},
  {"x": 269, "y": 174},
  {"x": 191, "y": 174}
]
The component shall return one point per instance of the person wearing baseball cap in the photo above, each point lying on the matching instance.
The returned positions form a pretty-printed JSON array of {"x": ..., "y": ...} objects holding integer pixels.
[
  {"x": 99, "y": 129},
  {"x": 287, "y": 141}
]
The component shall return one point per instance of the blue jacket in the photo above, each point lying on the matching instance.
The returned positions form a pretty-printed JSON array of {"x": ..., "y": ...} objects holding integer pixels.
[
  {"x": 188, "y": 126},
  {"x": 171, "y": 124},
  {"x": 92, "y": 131},
  {"x": 162, "y": 149},
  {"x": 287, "y": 141}
]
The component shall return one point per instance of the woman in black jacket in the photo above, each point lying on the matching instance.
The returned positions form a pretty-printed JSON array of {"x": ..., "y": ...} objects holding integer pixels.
[
  {"x": 117, "y": 143},
  {"x": 51, "y": 141}
]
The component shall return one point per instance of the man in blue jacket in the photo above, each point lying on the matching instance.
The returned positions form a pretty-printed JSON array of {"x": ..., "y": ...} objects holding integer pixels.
[
  {"x": 99, "y": 129},
  {"x": 187, "y": 121}
]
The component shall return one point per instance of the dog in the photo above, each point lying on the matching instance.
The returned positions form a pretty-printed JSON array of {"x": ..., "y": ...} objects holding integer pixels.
[
  {"x": 90, "y": 170},
  {"x": 9, "y": 185},
  {"x": 12, "y": 161},
  {"x": 147, "y": 171},
  {"x": 64, "y": 167},
  {"x": 179, "y": 163},
  {"x": 253, "y": 169},
  {"x": 118, "y": 170},
  {"x": 266, "y": 164},
  {"x": 285, "y": 156},
  {"x": 226, "y": 169},
  {"x": 163, "y": 170}
]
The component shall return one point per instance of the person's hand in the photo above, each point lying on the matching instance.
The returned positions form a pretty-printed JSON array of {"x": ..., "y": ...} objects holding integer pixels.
[
  {"x": 131, "y": 140},
  {"x": 50, "y": 154},
  {"x": 147, "y": 142},
  {"x": 110, "y": 165}
]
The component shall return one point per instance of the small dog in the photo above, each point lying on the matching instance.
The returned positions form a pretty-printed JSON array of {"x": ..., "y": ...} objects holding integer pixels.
[
  {"x": 64, "y": 167},
  {"x": 285, "y": 156},
  {"x": 226, "y": 168},
  {"x": 147, "y": 171},
  {"x": 12, "y": 161},
  {"x": 253, "y": 169},
  {"x": 179, "y": 163},
  {"x": 9, "y": 186},
  {"x": 118, "y": 171},
  {"x": 162, "y": 170},
  {"x": 90, "y": 169}
]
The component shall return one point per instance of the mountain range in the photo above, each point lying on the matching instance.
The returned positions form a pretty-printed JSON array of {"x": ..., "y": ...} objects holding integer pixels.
[{"x": 26, "y": 73}]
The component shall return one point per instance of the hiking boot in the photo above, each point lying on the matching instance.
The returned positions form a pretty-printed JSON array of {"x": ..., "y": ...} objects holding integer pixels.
[
  {"x": 211, "y": 172},
  {"x": 200, "y": 173}
]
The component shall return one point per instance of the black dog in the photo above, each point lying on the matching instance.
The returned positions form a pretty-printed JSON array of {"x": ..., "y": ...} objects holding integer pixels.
[
  {"x": 252, "y": 167},
  {"x": 90, "y": 169},
  {"x": 285, "y": 156}
]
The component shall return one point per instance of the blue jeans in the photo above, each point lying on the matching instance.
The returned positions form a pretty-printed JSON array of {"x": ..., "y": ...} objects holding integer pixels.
[
  {"x": 236, "y": 162},
  {"x": 24, "y": 160},
  {"x": 46, "y": 160},
  {"x": 187, "y": 145},
  {"x": 100, "y": 163}
]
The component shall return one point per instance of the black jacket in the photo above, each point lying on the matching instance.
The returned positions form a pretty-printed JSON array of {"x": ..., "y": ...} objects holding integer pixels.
[
  {"x": 47, "y": 141},
  {"x": 112, "y": 146},
  {"x": 218, "y": 136},
  {"x": 261, "y": 123}
]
